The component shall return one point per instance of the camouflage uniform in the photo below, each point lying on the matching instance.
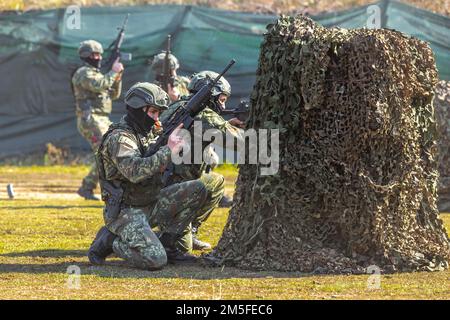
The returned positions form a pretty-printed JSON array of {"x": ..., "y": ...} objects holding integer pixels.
[
  {"x": 214, "y": 182},
  {"x": 146, "y": 203},
  {"x": 94, "y": 93}
]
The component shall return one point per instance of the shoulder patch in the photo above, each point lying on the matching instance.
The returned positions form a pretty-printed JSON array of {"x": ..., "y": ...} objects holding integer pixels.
[
  {"x": 121, "y": 144},
  {"x": 127, "y": 147},
  {"x": 126, "y": 140}
]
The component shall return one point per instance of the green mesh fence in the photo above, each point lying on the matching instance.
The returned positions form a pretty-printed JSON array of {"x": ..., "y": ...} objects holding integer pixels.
[{"x": 38, "y": 54}]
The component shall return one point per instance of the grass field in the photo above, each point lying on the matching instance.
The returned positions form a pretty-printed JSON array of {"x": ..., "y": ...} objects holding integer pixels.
[{"x": 47, "y": 228}]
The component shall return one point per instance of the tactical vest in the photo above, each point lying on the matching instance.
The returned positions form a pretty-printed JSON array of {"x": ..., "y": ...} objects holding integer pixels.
[{"x": 140, "y": 194}]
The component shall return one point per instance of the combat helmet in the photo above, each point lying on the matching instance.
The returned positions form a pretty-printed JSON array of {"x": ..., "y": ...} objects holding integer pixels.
[
  {"x": 144, "y": 94},
  {"x": 158, "y": 62},
  {"x": 89, "y": 46},
  {"x": 198, "y": 80}
]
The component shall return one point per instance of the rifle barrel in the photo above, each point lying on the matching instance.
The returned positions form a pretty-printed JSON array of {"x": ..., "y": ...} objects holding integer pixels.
[
  {"x": 230, "y": 64},
  {"x": 168, "y": 42},
  {"x": 125, "y": 22}
]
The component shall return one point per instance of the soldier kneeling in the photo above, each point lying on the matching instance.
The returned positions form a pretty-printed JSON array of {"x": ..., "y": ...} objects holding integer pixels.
[{"x": 135, "y": 198}]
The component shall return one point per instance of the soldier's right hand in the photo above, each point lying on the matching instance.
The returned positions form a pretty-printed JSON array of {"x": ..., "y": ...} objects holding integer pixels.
[
  {"x": 117, "y": 66},
  {"x": 176, "y": 141},
  {"x": 174, "y": 93}
]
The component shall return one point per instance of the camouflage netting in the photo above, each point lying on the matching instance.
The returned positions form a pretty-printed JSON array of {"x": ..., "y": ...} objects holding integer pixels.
[
  {"x": 358, "y": 174},
  {"x": 442, "y": 107}
]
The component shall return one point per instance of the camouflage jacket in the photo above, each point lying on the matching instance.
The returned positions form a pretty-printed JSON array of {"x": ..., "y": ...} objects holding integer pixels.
[
  {"x": 95, "y": 91},
  {"x": 121, "y": 156},
  {"x": 182, "y": 84},
  {"x": 210, "y": 120}
]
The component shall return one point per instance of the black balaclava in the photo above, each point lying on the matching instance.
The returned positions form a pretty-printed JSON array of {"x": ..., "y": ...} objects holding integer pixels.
[
  {"x": 139, "y": 120},
  {"x": 96, "y": 63}
]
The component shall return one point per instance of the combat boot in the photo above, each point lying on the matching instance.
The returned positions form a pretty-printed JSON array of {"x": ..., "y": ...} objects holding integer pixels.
[
  {"x": 87, "y": 194},
  {"x": 101, "y": 247},
  {"x": 225, "y": 202},
  {"x": 198, "y": 244},
  {"x": 175, "y": 255}
]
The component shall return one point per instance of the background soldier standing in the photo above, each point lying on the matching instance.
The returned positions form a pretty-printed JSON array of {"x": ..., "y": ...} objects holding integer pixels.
[
  {"x": 178, "y": 84},
  {"x": 94, "y": 93}
]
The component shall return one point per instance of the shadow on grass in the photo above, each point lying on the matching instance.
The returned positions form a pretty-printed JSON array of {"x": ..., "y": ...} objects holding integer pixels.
[
  {"x": 57, "y": 207},
  {"x": 117, "y": 268},
  {"x": 50, "y": 253}
]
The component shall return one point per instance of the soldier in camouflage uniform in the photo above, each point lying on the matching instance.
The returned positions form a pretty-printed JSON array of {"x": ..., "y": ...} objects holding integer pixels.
[
  {"x": 176, "y": 92},
  {"x": 210, "y": 119},
  {"x": 145, "y": 202},
  {"x": 180, "y": 83},
  {"x": 94, "y": 93}
]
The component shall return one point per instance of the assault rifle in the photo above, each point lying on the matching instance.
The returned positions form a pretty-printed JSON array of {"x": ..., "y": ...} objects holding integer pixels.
[
  {"x": 115, "y": 48},
  {"x": 167, "y": 78},
  {"x": 186, "y": 116},
  {"x": 241, "y": 111}
]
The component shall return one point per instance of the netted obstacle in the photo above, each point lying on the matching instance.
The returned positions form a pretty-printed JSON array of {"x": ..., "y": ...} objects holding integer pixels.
[
  {"x": 358, "y": 172},
  {"x": 442, "y": 107}
]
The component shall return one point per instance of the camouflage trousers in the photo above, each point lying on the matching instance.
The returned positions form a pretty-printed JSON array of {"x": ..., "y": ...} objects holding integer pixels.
[
  {"x": 92, "y": 130},
  {"x": 214, "y": 184},
  {"x": 178, "y": 206},
  {"x": 215, "y": 187}
]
